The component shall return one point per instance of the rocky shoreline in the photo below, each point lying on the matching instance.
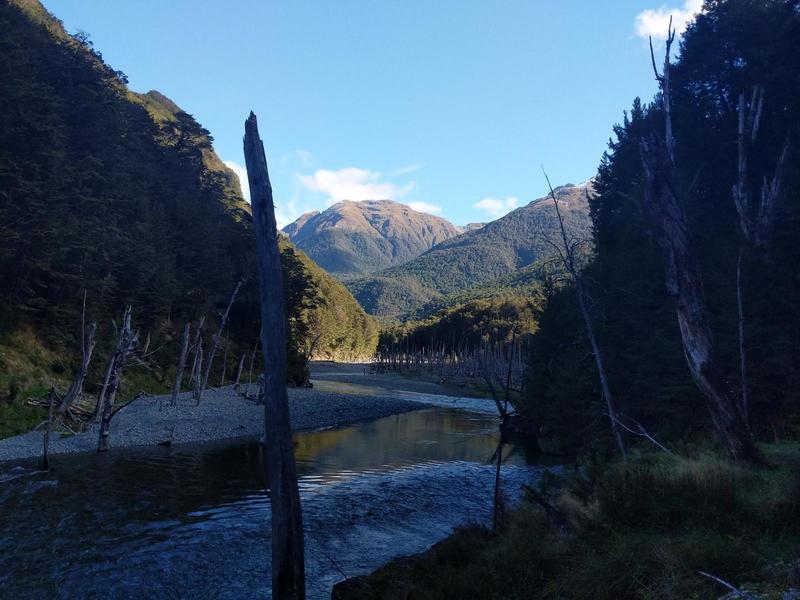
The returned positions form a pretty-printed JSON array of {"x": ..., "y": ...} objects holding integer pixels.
[{"x": 222, "y": 414}]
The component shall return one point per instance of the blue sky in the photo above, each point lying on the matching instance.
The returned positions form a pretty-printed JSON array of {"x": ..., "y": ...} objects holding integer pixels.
[{"x": 450, "y": 106}]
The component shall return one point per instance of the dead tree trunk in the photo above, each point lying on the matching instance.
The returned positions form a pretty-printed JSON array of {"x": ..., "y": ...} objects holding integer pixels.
[
  {"x": 250, "y": 372},
  {"x": 176, "y": 388},
  {"x": 742, "y": 349},
  {"x": 756, "y": 220},
  {"x": 127, "y": 340},
  {"x": 51, "y": 402},
  {"x": 218, "y": 337},
  {"x": 568, "y": 259},
  {"x": 198, "y": 336},
  {"x": 198, "y": 372},
  {"x": 288, "y": 571},
  {"x": 103, "y": 390},
  {"x": 224, "y": 364},
  {"x": 239, "y": 373},
  {"x": 684, "y": 284},
  {"x": 87, "y": 348}
]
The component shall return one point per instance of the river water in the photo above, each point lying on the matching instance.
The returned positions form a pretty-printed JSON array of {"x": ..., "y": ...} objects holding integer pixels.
[{"x": 193, "y": 520}]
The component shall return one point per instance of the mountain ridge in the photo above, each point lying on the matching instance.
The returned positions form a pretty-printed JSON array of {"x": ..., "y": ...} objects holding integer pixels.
[
  {"x": 517, "y": 240},
  {"x": 357, "y": 238}
]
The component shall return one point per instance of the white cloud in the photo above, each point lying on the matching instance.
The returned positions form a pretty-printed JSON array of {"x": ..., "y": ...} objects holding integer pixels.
[
  {"x": 497, "y": 207},
  {"x": 304, "y": 157},
  {"x": 241, "y": 173},
  {"x": 426, "y": 207},
  {"x": 653, "y": 22},
  {"x": 353, "y": 184},
  {"x": 289, "y": 211},
  {"x": 407, "y": 169}
]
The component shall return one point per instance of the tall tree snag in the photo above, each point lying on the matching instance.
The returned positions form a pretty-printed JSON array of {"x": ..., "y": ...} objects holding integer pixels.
[
  {"x": 176, "y": 387},
  {"x": 218, "y": 337},
  {"x": 288, "y": 570},
  {"x": 87, "y": 348},
  {"x": 198, "y": 338},
  {"x": 127, "y": 340},
  {"x": 567, "y": 255},
  {"x": 684, "y": 282},
  {"x": 756, "y": 219}
]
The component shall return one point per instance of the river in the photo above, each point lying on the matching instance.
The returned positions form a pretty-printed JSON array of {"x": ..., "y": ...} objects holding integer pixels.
[{"x": 193, "y": 520}]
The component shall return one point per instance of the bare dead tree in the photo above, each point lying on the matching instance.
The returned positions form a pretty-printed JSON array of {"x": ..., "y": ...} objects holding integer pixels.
[
  {"x": 198, "y": 336},
  {"x": 51, "y": 398},
  {"x": 104, "y": 389},
  {"x": 127, "y": 341},
  {"x": 250, "y": 372},
  {"x": 497, "y": 500},
  {"x": 288, "y": 571},
  {"x": 501, "y": 369},
  {"x": 87, "y": 348},
  {"x": 198, "y": 372},
  {"x": 757, "y": 219},
  {"x": 239, "y": 372},
  {"x": 176, "y": 388},
  {"x": 224, "y": 363},
  {"x": 567, "y": 254},
  {"x": 684, "y": 281},
  {"x": 215, "y": 341}
]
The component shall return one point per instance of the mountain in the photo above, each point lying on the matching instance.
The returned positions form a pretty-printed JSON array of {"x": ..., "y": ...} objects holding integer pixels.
[
  {"x": 471, "y": 227},
  {"x": 478, "y": 257},
  {"x": 120, "y": 196},
  {"x": 357, "y": 238}
]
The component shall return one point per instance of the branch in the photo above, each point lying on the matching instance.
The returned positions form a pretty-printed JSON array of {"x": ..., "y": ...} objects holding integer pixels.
[{"x": 728, "y": 585}]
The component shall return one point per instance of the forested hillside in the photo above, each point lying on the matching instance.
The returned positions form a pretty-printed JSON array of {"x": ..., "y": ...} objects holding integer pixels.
[
  {"x": 732, "y": 51},
  {"x": 466, "y": 326},
  {"x": 357, "y": 238},
  {"x": 121, "y": 195},
  {"x": 476, "y": 258}
]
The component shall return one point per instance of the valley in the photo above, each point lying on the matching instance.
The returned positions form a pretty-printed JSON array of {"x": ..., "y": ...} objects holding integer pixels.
[{"x": 344, "y": 331}]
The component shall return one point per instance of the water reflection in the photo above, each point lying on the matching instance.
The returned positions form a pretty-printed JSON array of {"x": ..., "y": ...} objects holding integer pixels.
[{"x": 168, "y": 522}]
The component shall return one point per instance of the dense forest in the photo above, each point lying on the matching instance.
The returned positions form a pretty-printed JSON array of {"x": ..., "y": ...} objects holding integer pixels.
[
  {"x": 121, "y": 196},
  {"x": 733, "y": 50},
  {"x": 466, "y": 326}
]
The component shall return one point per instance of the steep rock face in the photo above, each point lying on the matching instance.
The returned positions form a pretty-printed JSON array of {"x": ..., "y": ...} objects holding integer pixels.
[
  {"x": 357, "y": 238},
  {"x": 477, "y": 257}
]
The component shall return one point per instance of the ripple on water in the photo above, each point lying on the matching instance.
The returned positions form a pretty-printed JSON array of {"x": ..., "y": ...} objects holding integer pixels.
[{"x": 168, "y": 522}]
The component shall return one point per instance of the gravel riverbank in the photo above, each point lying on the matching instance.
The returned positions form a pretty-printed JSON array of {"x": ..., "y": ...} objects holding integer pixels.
[{"x": 222, "y": 414}]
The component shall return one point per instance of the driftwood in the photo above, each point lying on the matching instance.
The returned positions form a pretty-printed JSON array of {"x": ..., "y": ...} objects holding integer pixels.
[
  {"x": 176, "y": 388},
  {"x": 215, "y": 341},
  {"x": 288, "y": 572},
  {"x": 684, "y": 281},
  {"x": 567, "y": 255},
  {"x": 127, "y": 341}
]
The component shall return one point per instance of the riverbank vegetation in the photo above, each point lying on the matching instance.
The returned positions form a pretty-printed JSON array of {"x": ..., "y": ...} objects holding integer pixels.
[
  {"x": 656, "y": 526},
  {"x": 690, "y": 299}
]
